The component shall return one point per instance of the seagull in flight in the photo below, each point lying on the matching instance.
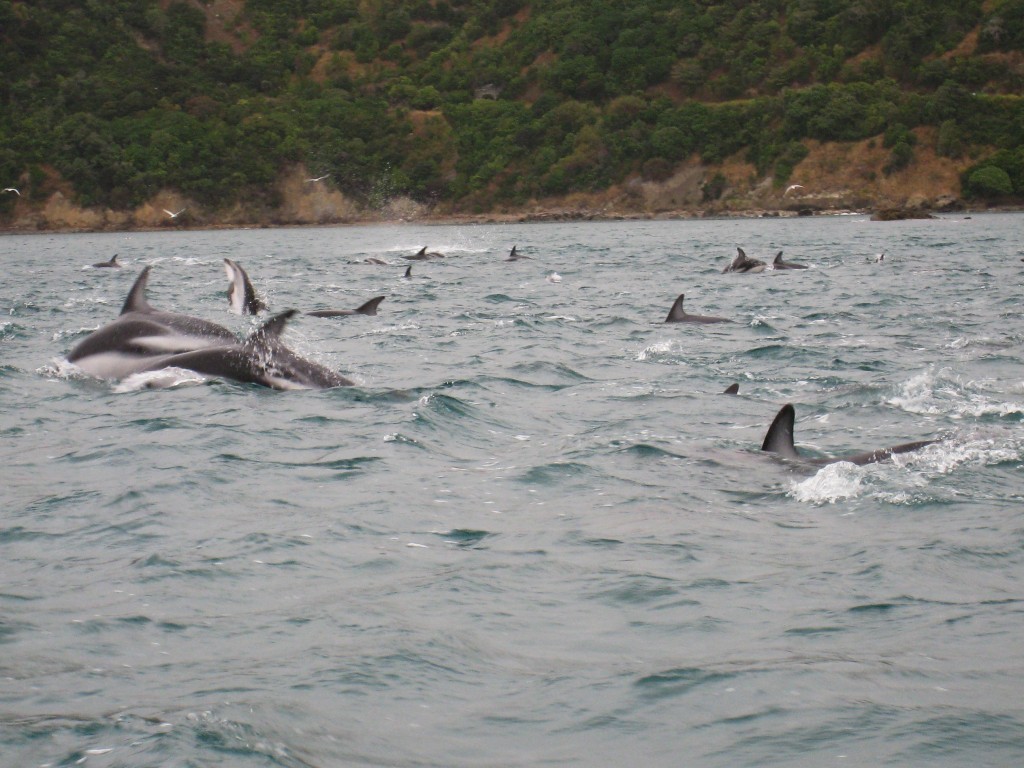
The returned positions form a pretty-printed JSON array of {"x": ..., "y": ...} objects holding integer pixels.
[
  {"x": 174, "y": 215},
  {"x": 12, "y": 189},
  {"x": 791, "y": 187},
  {"x": 318, "y": 178}
]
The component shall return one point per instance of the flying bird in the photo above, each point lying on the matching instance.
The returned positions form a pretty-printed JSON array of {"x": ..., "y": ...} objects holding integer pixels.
[
  {"x": 174, "y": 215},
  {"x": 791, "y": 187},
  {"x": 318, "y": 178},
  {"x": 12, "y": 189}
]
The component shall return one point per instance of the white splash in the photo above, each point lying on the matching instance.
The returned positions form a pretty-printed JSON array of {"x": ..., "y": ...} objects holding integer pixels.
[
  {"x": 165, "y": 378},
  {"x": 60, "y": 368},
  {"x": 654, "y": 350},
  {"x": 943, "y": 458},
  {"x": 942, "y": 392},
  {"x": 831, "y": 483}
]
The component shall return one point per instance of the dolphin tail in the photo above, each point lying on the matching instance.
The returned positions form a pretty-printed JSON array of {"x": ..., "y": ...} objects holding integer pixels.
[
  {"x": 370, "y": 307},
  {"x": 136, "y": 301},
  {"x": 779, "y": 438},
  {"x": 676, "y": 313}
]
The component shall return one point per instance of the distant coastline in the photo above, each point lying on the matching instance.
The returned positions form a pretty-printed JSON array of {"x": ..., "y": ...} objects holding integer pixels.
[{"x": 532, "y": 215}]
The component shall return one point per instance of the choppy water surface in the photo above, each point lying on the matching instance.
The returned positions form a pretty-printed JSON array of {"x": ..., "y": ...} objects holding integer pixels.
[{"x": 536, "y": 533}]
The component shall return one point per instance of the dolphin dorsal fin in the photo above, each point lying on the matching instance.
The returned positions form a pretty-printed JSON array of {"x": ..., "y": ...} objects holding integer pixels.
[
  {"x": 512, "y": 253},
  {"x": 676, "y": 313},
  {"x": 408, "y": 272},
  {"x": 270, "y": 330},
  {"x": 422, "y": 251},
  {"x": 370, "y": 307},
  {"x": 136, "y": 301},
  {"x": 779, "y": 438},
  {"x": 778, "y": 258},
  {"x": 732, "y": 389},
  {"x": 113, "y": 259},
  {"x": 734, "y": 264}
]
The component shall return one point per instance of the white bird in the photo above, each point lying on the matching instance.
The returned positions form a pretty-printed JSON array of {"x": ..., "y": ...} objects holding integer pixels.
[
  {"x": 791, "y": 187},
  {"x": 12, "y": 189},
  {"x": 318, "y": 178},
  {"x": 174, "y": 215}
]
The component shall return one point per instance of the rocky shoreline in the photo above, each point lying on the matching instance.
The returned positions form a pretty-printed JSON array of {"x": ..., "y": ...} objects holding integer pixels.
[
  {"x": 535, "y": 215},
  {"x": 332, "y": 209}
]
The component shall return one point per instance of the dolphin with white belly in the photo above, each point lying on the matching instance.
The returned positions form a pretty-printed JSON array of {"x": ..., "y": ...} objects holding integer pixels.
[
  {"x": 145, "y": 339},
  {"x": 242, "y": 296},
  {"x": 743, "y": 263},
  {"x": 779, "y": 440},
  {"x": 142, "y": 334}
]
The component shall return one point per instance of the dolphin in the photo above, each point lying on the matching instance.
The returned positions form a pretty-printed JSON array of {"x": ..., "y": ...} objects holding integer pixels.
[
  {"x": 145, "y": 339},
  {"x": 261, "y": 359},
  {"x": 779, "y": 440},
  {"x": 780, "y": 264},
  {"x": 513, "y": 256},
  {"x": 241, "y": 296},
  {"x": 408, "y": 271},
  {"x": 369, "y": 308},
  {"x": 742, "y": 263},
  {"x": 374, "y": 260},
  {"x": 732, "y": 389},
  {"x": 678, "y": 315},
  {"x": 141, "y": 334},
  {"x": 424, "y": 255},
  {"x": 111, "y": 263}
]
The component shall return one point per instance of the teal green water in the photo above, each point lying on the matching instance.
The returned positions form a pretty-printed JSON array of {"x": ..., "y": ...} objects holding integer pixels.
[{"x": 536, "y": 533}]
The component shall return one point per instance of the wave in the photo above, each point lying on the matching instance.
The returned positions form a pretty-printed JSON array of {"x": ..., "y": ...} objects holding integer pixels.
[{"x": 935, "y": 392}]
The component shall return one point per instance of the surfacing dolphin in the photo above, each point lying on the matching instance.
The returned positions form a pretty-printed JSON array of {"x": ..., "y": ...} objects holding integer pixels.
[
  {"x": 111, "y": 263},
  {"x": 141, "y": 334},
  {"x": 780, "y": 264},
  {"x": 424, "y": 255},
  {"x": 779, "y": 440},
  {"x": 145, "y": 339},
  {"x": 369, "y": 308},
  {"x": 261, "y": 359},
  {"x": 743, "y": 263},
  {"x": 678, "y": 315},
  {"x": 242, "y": 296},
  {"x": 513, "y": 256}
]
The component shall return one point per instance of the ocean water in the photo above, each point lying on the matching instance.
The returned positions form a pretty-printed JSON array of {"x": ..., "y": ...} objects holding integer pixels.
[{"x": 536, "y": 533}]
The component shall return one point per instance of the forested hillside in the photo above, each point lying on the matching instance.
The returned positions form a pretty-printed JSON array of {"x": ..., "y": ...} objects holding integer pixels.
[{"x": 481, "y": 105}]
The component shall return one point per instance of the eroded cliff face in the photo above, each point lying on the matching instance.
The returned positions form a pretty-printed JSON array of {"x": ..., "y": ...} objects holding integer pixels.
[{"x": 833, "y": 177}]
